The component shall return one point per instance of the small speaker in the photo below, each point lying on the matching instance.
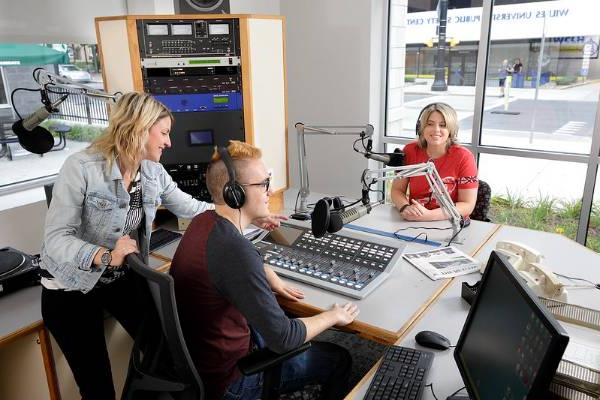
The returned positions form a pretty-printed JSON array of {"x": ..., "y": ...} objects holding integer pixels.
[{"x": 201, "y": 6}]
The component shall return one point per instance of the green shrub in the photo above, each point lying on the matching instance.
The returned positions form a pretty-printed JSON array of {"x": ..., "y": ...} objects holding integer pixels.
[
  {"x": 545, "y": 214},
  {"x": 78, "y": 132},
  {"x": 565, "y": 80}
]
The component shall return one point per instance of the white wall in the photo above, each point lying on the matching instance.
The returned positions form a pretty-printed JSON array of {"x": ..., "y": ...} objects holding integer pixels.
[
  {"x": 56, "y": 21},
  {"x": 235, "y": 6},
  {"x": 254, "y": 6},
  {"x": 328, "y": 73}
]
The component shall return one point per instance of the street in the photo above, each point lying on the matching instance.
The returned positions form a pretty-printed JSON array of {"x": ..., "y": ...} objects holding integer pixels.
[{"x": 560, "y": 120}]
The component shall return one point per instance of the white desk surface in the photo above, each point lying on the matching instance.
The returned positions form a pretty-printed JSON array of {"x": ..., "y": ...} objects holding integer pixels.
[
  {"x": 392, "y": 307},
  {"x": 561, "y": 255},
  {"x": 448, "y": 314},
  {"x": 21, "y": 310}
]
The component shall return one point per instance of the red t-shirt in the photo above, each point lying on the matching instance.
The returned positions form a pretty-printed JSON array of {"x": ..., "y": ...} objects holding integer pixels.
[{"x": 457, "y": 169}]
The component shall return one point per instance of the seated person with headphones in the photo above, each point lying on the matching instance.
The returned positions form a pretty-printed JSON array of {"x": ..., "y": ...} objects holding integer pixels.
[
  {"x": 223, "y": 288},
  {"x": 437, "y": 130}
]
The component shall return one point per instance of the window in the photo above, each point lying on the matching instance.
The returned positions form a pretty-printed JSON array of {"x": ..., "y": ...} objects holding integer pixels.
[
  {"x": 593, "y": 235},
  {"x": 3, "y": 94},
  {"x": 529, "y": 118},
  {"x": 78, "y": 121}
]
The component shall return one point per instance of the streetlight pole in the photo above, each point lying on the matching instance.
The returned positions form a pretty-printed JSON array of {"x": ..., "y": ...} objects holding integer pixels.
[{"x": 439, "y": 83}]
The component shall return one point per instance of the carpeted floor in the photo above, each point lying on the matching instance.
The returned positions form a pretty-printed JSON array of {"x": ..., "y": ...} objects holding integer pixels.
[{"x": 365, "y": 354}]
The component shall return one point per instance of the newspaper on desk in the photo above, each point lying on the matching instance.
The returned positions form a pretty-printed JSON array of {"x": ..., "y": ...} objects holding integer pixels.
[{"x": 442, "y": 263}]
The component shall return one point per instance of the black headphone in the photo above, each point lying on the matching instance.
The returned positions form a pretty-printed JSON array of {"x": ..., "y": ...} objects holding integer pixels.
[
  {"x": 418, "y": 126},
  {"x": 233, "y": 193}
]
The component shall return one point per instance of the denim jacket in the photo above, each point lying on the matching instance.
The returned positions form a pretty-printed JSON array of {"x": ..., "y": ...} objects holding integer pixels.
[{"x": 88, "y": 211}]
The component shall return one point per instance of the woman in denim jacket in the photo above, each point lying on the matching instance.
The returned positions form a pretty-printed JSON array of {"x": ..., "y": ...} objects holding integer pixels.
[
  {"x": 105, "y": 197},
  {"x": 103, "y": 204}
]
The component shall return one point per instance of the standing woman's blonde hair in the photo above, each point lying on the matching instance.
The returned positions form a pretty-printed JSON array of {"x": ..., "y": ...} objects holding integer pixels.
[
  {"x": 450, "y": 118},
  {"x": 128, "y": 125}
]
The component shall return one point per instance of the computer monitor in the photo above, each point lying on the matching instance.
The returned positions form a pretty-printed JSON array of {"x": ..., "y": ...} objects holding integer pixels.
[{"x": 510, "y": 345}]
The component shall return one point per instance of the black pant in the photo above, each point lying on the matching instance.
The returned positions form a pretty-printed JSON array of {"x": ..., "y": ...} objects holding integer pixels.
[{"x": 76, "y": 320}]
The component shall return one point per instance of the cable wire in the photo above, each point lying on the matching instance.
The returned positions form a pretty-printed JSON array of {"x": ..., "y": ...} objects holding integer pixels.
[
  {"x": 430, "y": 386},
  {"x": 593, "y": 285}
]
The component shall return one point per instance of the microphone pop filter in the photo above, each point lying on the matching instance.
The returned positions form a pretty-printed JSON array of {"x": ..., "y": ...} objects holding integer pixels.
[
  {"x": 320, "y": 218},
  {"x": 39, "y": 140}
]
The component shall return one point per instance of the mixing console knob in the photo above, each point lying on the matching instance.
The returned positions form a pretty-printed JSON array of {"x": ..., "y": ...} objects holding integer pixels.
[
  {"x": 371, "y": 274},
  {"x": 332, "y": 262}
]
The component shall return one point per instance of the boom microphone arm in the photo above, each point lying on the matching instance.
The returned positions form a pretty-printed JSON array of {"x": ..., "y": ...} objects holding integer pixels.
[
  {"x": 37, "y": 139},
  {"x": 438, "y": 188}
]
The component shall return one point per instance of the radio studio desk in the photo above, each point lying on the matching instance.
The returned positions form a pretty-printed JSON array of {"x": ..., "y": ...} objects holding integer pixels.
[
  {"x": 449, "y": 311},
  {"x": 404, "y": 304}
]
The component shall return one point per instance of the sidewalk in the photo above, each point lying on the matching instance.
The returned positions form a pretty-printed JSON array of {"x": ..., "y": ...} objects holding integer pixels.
[{"x": 529, "y": 178}]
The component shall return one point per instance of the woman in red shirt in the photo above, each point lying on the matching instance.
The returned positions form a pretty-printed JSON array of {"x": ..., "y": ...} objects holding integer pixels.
[{"x": 437, "y": 129}]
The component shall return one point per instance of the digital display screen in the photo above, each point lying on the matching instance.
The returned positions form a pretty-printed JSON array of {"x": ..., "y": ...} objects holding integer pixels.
[
  {"x": 218, "y": 29},
  {"x": 201, "y": 138},
  {"x": 157, "y": 29},
  {"x": 181, "y": 29},
  {"x": 220, "y": 99},
  {"x": 284, "y": 235}
]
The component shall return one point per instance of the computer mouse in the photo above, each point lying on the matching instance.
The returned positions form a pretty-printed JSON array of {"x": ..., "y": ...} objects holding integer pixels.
[{"x": 432, "y": 340}]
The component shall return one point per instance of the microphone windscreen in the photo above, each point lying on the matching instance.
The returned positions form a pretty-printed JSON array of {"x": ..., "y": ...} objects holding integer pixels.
[
  {"x": 320, "y": 218},
  {"x": 335, "y": 222},
  {"x": 396, "y": 159},
  {"x": 39, "y": 140}
]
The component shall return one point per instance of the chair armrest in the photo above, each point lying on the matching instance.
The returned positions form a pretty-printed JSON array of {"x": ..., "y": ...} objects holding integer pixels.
[{"x": 264, "y": 359}]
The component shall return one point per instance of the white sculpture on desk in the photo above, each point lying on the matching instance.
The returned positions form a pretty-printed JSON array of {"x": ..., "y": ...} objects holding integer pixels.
[{"x": 529, "y": 264}]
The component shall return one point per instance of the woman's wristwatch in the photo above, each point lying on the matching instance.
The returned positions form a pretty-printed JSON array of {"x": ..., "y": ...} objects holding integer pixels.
[
  {"x": 403, "y": 207},
  {"x": 106, "y": 258}
]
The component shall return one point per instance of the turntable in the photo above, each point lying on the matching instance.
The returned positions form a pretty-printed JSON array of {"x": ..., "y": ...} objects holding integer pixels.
[{"x": 17, "y": 270}]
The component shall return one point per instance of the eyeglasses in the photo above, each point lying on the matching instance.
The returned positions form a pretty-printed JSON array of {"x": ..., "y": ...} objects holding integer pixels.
[{"x": 266, "y": 184}]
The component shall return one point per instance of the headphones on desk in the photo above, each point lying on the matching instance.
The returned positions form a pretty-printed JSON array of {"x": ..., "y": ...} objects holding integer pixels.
[
  {"x": 418, "y": 125},
  {"x": 233, "y": 193}
]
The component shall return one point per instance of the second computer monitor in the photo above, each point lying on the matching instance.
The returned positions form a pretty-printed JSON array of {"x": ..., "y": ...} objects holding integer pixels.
[{"x": 510, "y": 345}]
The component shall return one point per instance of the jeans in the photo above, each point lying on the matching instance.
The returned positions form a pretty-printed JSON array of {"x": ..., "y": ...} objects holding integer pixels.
[
  {"x": 323, "y": 363},
  {"x": 76, "y": 320}
]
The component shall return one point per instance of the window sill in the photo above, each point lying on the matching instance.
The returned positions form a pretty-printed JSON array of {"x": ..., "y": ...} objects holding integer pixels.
[{"x": 21, "y": 198}]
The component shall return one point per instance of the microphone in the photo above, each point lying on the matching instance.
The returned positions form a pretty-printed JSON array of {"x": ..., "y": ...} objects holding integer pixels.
[
  {"x": 323, "y": 220},
  {"x": 32, "y": 137},
  {"x": 337, "y": 220},
  {"x": 395, "y": 159}
]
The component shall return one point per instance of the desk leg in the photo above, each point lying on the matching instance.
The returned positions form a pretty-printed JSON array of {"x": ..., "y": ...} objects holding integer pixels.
[{"x": 51, "y": 377}]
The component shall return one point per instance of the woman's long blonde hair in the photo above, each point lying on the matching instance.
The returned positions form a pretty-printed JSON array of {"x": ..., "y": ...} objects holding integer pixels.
[{"x": 128, "y": 125}]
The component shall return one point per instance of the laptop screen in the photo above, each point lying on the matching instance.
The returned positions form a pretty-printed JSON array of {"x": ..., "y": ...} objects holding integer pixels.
[{"x": 510, "y": 345}]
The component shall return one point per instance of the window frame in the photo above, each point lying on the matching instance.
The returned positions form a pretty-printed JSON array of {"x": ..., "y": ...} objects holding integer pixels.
[{"x": 592, "y": 159}]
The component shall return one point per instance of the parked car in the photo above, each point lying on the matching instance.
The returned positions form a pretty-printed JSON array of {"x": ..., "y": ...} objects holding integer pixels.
[{"x": 73, "y": 73}]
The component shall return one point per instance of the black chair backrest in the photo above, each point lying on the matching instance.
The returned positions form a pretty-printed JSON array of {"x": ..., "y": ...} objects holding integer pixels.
[
  {"x": 48, "y": 192},
  {"x": 162, "y": 290},
  {"x": 482, "y": 204}
]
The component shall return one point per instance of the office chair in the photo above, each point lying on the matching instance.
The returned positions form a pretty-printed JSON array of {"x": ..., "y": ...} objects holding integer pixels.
[
  {"x": 164, "y": 366},
  {"x": 482, "y": 204}
]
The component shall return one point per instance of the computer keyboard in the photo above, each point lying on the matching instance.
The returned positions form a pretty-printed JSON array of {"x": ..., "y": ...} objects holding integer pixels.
[
  {"x": 162, "y": 237},
  {"x": 401, "y": 374}
]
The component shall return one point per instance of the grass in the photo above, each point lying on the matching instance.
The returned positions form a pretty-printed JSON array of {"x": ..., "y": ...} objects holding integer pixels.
[{"x": 545, "y": 214}]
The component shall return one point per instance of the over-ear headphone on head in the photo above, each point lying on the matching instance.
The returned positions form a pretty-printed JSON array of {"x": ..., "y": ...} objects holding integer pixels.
[
  {"x": 418, "y": 125},
  {"x": 233, "y": 193}
]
